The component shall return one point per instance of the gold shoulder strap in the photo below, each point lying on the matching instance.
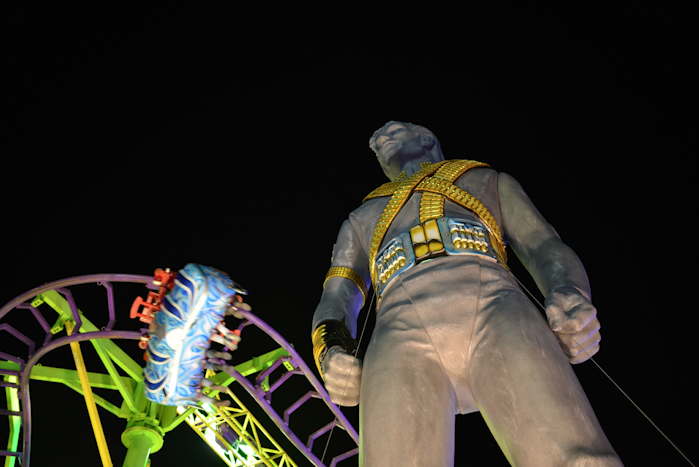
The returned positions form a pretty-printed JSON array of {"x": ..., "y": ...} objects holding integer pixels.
[
  {"x": 436, "y": 181},
  {"x": 468, "y": 201},
  {"x": 398, "y": 198},
  {"x": 387, "y": 189},
  {"x": 432, "y": 204}
]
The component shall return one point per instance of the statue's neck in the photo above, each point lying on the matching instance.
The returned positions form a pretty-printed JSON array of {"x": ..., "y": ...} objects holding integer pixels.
[{"x": 412, "y": 166}]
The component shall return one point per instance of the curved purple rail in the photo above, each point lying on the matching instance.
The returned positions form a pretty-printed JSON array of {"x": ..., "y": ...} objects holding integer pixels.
[
  {"x": 35, "y": 354},
  {"x": 319, "y": 392},
  {"x": 301, "y": 364},
  {"x": 77, "y": 280},
  {"x": 26, "y": 371}
]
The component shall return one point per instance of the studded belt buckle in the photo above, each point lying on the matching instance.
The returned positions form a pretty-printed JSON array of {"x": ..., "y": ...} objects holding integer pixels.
[
  {"x": 430, "y": 239},
  {"x": 397, "y": 256},
  {"x": 463, "y": 237}
]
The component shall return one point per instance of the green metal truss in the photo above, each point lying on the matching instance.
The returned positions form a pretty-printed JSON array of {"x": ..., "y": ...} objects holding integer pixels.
[{"x": 147, "y": 422}]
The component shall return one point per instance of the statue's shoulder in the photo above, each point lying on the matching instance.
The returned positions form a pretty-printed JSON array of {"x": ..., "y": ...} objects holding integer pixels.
[
  {"x": 461, "y": 166},
  {"x": 386, "y": 189},
  {"x": 368, "y": 211},
  {"x": 453, "y": 169},
  {"x": 460, "y": 170}
]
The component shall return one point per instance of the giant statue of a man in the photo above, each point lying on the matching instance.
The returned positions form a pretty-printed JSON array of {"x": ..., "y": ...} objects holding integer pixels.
[{"x": 454, "y": 333}]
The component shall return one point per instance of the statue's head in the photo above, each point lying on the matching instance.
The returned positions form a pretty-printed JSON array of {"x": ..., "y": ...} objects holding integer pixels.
[{"x": 404, "y": 147}]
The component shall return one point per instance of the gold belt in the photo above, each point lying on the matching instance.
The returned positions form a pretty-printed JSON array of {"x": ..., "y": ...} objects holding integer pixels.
[
  {"x": 430, "y": 239},
  {"x": 436, "y": 182}
]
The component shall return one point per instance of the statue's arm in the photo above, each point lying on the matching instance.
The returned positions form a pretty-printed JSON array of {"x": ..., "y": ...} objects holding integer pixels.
[
  {"x": 557, "y": 270},
  {"x": 553, "y": 264},
  {"x": 343, "y": 297},
  {"x": 334, "y": 327}
]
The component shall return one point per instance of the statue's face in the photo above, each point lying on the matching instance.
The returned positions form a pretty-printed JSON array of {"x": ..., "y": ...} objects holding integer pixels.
[{"x": 396, "y": 144}]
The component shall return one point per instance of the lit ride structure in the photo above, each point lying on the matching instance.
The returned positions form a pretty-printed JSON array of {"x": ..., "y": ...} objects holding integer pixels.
[{"x": 188, "y": 374}]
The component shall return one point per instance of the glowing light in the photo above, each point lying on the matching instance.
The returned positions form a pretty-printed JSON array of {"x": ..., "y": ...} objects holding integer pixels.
[
  {"x": 248, "y": 454},
  {"x": 248, "y": 451}
]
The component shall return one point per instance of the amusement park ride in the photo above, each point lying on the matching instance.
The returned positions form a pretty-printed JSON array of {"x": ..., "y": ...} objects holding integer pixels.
[{"x": 196, "y": 320}]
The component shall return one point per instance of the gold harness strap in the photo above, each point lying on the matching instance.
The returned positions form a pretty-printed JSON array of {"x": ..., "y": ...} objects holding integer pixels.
[
  {"x": 432, "y": 203},
  {"x": 399, "y": 196},
  {"x": 470, "y": 202},
  {"x": 436, "y": 181},
  {"x": 387, "y": 189}
]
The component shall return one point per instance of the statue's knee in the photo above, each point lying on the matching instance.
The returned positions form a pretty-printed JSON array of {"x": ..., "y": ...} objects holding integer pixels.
[{"x": 593, "y": 459}]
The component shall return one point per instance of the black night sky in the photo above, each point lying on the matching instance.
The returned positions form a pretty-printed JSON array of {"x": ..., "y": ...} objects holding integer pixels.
[{"x": 144, "y": 137}]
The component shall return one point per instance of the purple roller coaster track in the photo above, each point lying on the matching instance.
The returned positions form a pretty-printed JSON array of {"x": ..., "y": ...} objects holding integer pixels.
[{"x": 147, "y": 422}]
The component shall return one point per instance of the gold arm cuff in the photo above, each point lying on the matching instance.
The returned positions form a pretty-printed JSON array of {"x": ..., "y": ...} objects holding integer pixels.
[
  {"x": 347, "y": 273},
  {"x": 319, "y": 345}
]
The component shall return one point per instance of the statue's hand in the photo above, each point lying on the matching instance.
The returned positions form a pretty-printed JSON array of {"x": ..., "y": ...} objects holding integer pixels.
[
  {"x": 574, "y": 321},
  {"x": 342, "y": 374}
]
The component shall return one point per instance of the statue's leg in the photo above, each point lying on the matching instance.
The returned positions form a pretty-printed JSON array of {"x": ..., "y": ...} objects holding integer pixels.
[
  {"x": 525, "y": 387},
  {"x": 407, "y": 404}
]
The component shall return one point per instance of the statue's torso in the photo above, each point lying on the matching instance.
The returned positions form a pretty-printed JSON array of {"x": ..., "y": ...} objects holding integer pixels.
[{"x": 480, "y": 182}]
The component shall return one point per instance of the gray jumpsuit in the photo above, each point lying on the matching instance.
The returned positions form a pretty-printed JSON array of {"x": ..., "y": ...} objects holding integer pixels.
[{"x": 454, "y": 335}]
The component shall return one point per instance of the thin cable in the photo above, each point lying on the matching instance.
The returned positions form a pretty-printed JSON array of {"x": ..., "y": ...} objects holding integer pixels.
[
  {"x": 531, "y": 295},
  {"x": 356, "y": 351}
]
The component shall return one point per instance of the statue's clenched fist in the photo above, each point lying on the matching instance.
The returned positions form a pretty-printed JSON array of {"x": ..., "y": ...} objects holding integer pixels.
[
  {"x": 342, "y": 374},
  {"x": 573, "y": 319}
]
